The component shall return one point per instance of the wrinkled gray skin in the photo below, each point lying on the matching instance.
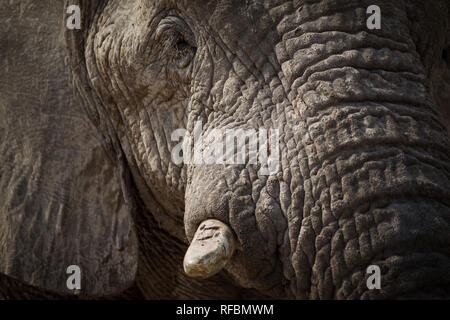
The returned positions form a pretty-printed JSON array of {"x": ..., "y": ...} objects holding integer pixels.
[{"x": 363, "y": 116}]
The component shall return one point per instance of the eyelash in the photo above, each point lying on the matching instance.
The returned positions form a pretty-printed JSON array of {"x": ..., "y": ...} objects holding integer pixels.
[
  {"x": 178, "y": 50},
  {"x": 175, "y": 44}
]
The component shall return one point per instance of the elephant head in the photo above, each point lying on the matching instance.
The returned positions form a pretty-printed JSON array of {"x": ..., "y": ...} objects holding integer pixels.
[{"x": 362, "y": 157}]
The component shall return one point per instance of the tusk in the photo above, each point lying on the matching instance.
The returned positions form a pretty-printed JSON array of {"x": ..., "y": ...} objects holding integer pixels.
[{"x": 210, "y": 250}]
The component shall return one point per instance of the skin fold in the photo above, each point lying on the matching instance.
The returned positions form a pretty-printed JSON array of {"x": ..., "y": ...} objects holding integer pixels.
[{"x": 364, "y": 175}]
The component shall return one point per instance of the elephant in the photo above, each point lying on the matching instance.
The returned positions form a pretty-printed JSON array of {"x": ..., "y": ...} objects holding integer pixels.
[{"x": 88, "y": 176}]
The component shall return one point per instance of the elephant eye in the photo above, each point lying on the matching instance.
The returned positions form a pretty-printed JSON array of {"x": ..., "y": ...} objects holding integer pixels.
[
  {"x": 177, "y": 40},
  {"x": 183, "y": 52}
]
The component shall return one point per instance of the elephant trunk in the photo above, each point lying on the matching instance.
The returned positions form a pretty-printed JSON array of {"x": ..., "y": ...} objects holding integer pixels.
[
  {"x": 365, "y": 174},
  {"x": 374, "y": 158}
]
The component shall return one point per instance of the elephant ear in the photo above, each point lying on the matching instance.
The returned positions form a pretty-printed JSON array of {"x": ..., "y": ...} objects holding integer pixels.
[{"x": 63, "y": 199}]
